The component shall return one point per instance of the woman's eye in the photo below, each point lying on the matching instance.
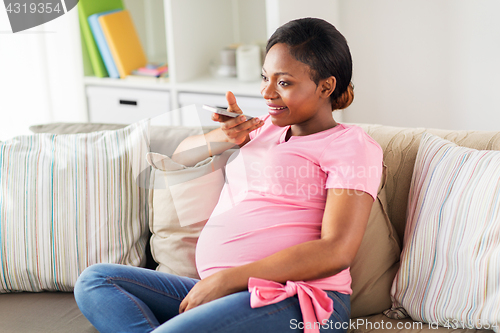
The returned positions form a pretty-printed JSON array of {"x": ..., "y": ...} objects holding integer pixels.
[
  {"x": 264, "y": 78},
  {"x": 283, "y": 83}
]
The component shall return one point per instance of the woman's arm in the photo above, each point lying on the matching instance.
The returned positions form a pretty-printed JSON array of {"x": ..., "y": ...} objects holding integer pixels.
[
  {"x": 196, "y": 148},
  {"x": 343, "y": 226},
  {"x": 232, "y": 131}
]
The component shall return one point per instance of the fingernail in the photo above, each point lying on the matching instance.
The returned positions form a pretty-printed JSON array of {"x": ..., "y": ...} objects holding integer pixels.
[{"x": 243, "y": 118}]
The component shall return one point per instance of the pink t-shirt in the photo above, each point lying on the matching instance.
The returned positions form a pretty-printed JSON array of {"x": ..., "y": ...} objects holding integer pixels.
[{"x": 275, "y": 194}]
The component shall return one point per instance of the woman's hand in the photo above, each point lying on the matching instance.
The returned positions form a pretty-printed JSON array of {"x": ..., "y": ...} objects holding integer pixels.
[
  {"x": 236, "y": 129},
  {"x": 208, "y": 289}
]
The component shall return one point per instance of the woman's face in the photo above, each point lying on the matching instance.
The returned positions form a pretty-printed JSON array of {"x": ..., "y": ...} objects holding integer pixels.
[{"x": 292, "y": 97}]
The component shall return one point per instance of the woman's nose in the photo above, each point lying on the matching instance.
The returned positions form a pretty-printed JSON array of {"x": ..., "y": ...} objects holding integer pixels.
[{"x": 267, "y": 90}]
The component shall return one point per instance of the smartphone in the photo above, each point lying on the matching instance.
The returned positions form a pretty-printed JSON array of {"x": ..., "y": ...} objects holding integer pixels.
[{"x": 224, "y": 112}]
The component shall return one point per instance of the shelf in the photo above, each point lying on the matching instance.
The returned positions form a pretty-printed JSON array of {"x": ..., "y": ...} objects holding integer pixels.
[
  {"x": 209, "y": 85},
  {"x": 126, "y": 83},
  {"x": 205, "y": 85}
]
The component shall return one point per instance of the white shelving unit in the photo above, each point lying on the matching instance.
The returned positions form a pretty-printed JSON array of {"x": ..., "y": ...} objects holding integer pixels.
[{"x": 189, "y": 35}]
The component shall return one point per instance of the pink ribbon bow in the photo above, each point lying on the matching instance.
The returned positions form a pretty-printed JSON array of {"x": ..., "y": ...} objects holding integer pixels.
[{"x": 315, "y": 304}]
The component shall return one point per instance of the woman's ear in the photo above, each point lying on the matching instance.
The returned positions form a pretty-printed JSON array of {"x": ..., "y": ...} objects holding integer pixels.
[{"x": 327, "y": 86}]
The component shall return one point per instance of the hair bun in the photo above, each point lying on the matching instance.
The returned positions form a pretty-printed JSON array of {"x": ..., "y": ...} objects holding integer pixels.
[{"x": 345, "y": 99}]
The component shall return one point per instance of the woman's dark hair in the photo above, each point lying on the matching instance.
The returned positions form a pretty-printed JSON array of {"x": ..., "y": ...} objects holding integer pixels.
[{"x": 324, "y": 49}]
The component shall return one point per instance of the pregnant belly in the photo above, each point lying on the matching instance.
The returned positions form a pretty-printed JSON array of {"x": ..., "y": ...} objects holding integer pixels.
[{"x": 251, "y": 231}]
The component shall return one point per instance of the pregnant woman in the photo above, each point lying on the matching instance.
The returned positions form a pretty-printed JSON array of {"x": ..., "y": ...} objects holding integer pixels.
[{"x": 275, "y": 254}]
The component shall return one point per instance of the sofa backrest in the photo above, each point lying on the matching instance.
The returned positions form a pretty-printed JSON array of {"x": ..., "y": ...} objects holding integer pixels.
[{"x": 400, "y": 146}]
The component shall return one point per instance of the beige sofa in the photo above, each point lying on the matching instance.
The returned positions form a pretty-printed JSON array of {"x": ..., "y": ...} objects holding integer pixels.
[{"x": 57, "y": 312}]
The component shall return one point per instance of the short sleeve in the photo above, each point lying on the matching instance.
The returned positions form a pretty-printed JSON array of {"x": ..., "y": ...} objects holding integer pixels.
[
  {"x": 353, "y": 161},
  {"x": 267, "y": 120}
]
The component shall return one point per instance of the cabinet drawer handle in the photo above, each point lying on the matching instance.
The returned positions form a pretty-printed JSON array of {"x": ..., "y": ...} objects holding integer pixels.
[{"x": 125, "y": 102}]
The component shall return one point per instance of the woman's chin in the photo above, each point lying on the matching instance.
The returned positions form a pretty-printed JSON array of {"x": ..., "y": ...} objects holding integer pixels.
[
  {"x": 278, "y": 122},
  {"x": 279, "y": 119}
]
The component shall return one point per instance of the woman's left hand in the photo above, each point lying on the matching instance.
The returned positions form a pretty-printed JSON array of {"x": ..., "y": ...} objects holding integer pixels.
[{"x": 208, "y": 289}]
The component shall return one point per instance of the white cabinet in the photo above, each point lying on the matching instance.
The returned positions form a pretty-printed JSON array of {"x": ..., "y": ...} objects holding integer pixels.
[
  {"x": 125, "y": 105},
  {"x": 189, "y": 34}
]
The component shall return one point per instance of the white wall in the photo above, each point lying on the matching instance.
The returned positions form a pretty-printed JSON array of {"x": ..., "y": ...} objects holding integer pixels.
[
  {"x": 280, "y": 12},
  {"x": 424, "y": 63},
  {"x": 41, "y": 75},
  {"x": 416, "y": 63}
]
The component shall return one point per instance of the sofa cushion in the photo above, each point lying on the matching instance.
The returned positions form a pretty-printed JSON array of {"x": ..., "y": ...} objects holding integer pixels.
[
  {"x": 74, "y": 128},
  {"x": 376, "y": 261},
  {"x": 46, "y": 312},
  {"x": 450, "y": 270},
  {"x": 63, "y": 206},
  {"x": 181, "y": 200}
]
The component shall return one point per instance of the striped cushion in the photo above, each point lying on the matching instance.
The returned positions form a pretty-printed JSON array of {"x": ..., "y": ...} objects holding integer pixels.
[
  {"x": 67, "y": 202},
  {"x": 450, "y": 263}
]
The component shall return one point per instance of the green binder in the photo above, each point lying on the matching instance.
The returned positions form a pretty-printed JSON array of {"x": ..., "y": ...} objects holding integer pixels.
[{"x": 85, "y": 9}]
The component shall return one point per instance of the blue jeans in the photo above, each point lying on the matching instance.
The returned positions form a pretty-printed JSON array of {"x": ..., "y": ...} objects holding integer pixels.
[{"x": 117, "y": 298}]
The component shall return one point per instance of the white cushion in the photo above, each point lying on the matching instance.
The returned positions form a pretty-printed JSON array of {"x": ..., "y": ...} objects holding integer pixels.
[{"x": 180, "y": 202}]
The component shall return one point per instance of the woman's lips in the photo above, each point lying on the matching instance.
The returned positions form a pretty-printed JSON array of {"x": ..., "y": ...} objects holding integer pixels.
[{"x": 276, "y": 109}]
